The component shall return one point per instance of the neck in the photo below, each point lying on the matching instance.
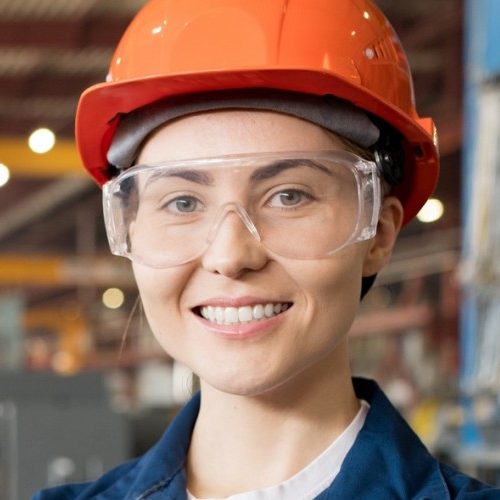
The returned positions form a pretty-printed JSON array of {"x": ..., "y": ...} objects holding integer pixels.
[{"x": 243, "y": 443}]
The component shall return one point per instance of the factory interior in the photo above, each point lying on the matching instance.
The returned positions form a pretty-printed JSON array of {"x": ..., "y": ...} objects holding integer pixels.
[{"x": 84, "y": 385}]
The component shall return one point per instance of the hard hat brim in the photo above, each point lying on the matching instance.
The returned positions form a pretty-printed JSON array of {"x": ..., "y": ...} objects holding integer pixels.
[{"x": 101, "y": 105}]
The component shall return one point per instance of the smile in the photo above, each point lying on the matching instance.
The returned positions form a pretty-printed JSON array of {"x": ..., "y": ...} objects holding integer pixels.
[{"x": 242, "y": 315}]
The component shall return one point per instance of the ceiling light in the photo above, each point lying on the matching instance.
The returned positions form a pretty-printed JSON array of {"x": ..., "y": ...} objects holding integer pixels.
[
  {"x": 42, "y": 140},
  {"x": 432, "y": 211},
  {"x": 4, "y": 174},
  {"x": 113, "y": 298}
]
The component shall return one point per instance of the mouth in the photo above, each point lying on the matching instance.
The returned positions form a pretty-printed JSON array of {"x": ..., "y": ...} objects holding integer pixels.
[{"x": 241, "y": 315}]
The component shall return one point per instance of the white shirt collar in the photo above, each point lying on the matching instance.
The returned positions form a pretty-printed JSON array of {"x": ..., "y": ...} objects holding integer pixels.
[{"x": 316, "y": 476}]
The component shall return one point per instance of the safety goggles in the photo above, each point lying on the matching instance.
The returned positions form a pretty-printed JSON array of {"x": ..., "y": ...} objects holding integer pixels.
[{"x": 299, "y": 205}]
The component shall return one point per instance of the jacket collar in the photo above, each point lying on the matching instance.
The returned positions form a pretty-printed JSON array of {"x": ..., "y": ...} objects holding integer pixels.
[
  {"x": 162, "y": 467},
  {"x": 387, "y": 458}
]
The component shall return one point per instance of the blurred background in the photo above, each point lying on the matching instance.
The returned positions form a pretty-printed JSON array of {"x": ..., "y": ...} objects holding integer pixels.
[{"x": 83, "y": 384}]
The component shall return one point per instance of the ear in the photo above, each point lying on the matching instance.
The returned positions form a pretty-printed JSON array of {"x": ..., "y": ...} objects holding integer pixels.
[{"x": 389, "y": 225}]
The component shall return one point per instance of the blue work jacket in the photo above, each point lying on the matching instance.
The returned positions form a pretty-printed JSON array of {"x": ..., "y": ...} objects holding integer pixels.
[{"x": 387, "y": 461}]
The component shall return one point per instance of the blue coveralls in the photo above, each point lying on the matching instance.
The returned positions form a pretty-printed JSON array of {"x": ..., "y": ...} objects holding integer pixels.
[{"x": 387, "y": 461}]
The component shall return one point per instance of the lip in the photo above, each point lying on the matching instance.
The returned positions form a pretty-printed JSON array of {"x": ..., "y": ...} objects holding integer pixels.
[{"x": 243, "y": 331}]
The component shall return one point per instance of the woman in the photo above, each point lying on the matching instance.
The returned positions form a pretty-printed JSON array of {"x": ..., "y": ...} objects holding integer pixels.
[{"x": 258, "y": 160}]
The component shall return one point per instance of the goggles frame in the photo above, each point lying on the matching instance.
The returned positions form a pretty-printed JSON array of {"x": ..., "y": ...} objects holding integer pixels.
[{"x": 367, "y": 174}]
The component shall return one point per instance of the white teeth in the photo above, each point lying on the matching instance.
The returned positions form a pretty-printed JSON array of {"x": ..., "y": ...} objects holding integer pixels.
[
  {"x": 269, "y": 310},
  {"x": 245, "y": 314},
  {"x": 258, "y": 311},
  {"x": 219, "y": 314},
  {"x": 231, "y": 314},
  {"x": 211, "y": 313}
]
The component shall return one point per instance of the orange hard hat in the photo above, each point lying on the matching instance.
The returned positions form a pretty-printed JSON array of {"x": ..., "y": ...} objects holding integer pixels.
[{"x": 345, "y": 48}]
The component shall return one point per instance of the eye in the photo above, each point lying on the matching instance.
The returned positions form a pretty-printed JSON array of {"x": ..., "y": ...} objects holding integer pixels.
[
  {"x": 183, "y": 204},
  {"x": 289, "y": 198}
]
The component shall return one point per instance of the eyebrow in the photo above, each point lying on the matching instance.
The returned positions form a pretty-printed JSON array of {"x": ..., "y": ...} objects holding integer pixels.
[
  {"x": 196, "y": 176},
  {"x": 277, "y": 167},
  {"x": 260, "y": 174}
]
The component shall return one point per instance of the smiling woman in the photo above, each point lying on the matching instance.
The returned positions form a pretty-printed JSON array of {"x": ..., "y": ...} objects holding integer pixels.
[
  {"x": 231, "y": 268},
  {"x": 245, "y": 187}
]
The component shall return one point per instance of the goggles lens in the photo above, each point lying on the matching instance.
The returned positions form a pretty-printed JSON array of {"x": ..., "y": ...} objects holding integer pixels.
[{"x": 301, "y": 205}]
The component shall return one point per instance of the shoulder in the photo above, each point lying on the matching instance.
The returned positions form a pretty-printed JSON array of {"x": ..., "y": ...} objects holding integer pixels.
[
  {"x": 393, "y": 459},
  {"x": 465, "y": 487},
  {"x": 159, "y": 468}
]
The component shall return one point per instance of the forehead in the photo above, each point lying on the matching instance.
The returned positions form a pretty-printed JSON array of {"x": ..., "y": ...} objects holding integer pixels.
[{"x": 226, "y": 132}]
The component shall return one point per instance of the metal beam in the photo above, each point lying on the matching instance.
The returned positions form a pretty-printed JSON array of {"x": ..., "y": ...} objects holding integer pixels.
[
  {"x": 22, "y": 61},
  {"x": 59, "y": 33},
  {"x": 41, "y": 204},
  {"x": 43, "y": 10},
  {"x": 50, "y": 270},
  {"x": 393, "y": 320},
  {"x": 63, "y": 160}
]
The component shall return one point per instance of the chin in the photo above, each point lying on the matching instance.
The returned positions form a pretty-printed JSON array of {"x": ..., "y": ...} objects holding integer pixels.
[
  {"x": 239, "y": 382},
  {"x": 238, "y": 389}
]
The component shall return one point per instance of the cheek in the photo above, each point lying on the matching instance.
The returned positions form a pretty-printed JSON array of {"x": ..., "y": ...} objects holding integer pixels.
[
  {"x": 331, "y": 289},
  {"x": 161, "y": 291}
]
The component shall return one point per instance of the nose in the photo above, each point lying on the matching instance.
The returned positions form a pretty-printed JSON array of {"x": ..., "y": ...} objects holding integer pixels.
[{"x": 234, "y": 245}]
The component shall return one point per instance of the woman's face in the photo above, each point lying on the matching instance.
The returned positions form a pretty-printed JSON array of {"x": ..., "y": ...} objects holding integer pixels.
[{"x": 322, "y": 295}]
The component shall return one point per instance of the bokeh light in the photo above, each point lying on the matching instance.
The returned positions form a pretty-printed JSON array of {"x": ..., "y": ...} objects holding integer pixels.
[
  {"x": 113, "y": 298},
  {"x": 432, "y": 211},
  {"x": 42, "y": 140},
  {"x": 4, "y": 174}
]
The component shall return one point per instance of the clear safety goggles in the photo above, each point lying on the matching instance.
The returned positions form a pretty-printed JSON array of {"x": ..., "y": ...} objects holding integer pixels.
[{"x": 300, "y": 205}]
